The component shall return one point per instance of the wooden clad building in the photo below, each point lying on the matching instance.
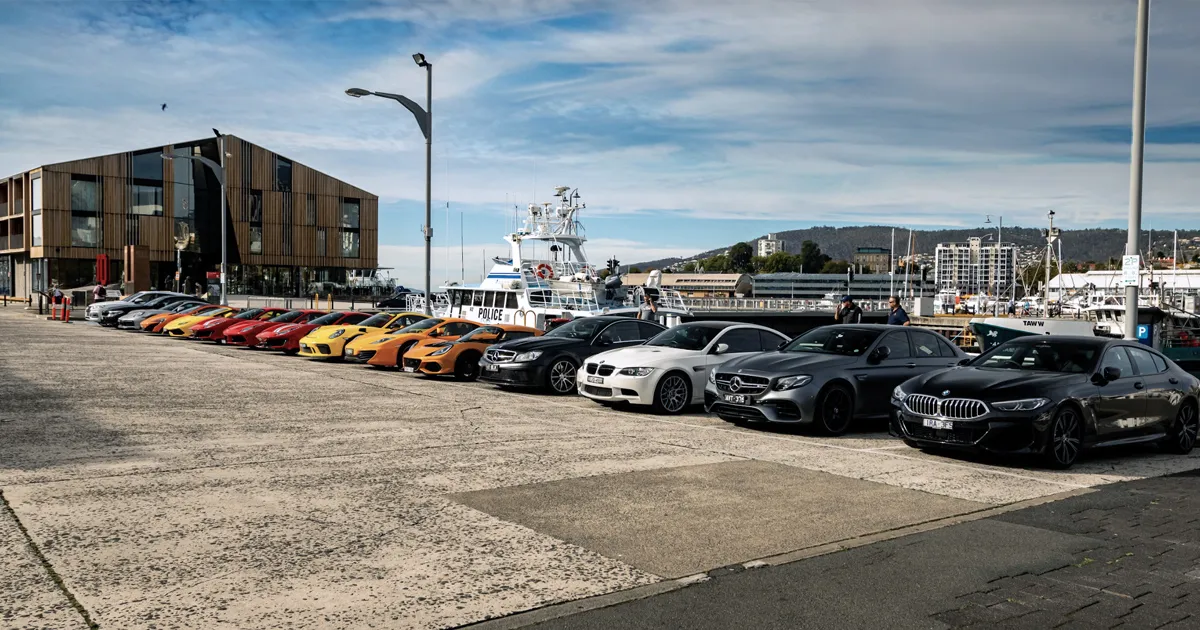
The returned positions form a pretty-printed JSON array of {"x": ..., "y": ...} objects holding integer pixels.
[{"x": 289, "y": 225}]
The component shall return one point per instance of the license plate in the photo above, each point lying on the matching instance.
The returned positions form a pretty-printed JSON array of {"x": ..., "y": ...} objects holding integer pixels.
[
  {"x": 491, "y": 367},
  {"x": 945, "y": 425},
  {"x": 739, "y": 399},
  {"x": 599, "y": 380},
  {"x": 408, "y": 368}
]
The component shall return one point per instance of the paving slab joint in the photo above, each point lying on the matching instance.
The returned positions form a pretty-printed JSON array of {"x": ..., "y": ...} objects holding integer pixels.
[{"x": 45, "y": 562}]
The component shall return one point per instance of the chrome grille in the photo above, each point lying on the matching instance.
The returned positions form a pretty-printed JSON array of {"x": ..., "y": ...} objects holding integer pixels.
[
  {"x": 496, "y": 355},
  {"x": 745, "y": 384},
  {"x": 951, "y": 408}
]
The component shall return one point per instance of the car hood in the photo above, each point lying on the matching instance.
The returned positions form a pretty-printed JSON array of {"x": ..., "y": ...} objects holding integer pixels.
[
  {"x": 324, "y": 332},
  {"x": 646, "y": 356},
  {"x": 990, "y": 384},
  {"x": 287, "y": 330},
  {"x": 247, "y": 326},
  {"x": 365, "y": 340},
  {"x": 788, "y": 362},
  {"x": 540, "y": 343}
]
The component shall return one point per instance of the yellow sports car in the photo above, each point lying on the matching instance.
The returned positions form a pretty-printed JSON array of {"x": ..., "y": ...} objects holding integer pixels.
[
  {"x": 328, "y": 342},
  {"x": 182, "y": 327}
]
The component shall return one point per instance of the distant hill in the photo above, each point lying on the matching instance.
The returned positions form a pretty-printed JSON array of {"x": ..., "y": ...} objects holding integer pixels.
[{"x": 840, "y": 242}]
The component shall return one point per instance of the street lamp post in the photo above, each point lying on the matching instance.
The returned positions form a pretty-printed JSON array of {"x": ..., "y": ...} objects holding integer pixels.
[
  {"x": 999, "y": 252},
  {"x": 1135, "y": 162},
  {"x": 219, "y": 171},
  {"x": 425, "y": 122}
]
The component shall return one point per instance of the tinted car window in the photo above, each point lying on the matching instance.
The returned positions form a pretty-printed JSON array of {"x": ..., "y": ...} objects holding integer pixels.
[
  {"x": 770, "y": 341},
  {"x": 948, "y": 350},
  {"x": 1119, "y": 358},
  {"x": 834, "y": 340},
  {"x": 648, "y": 329},
  {"x": 582, "y": 328},
  {"x": 1043, "y": 356},
  {"x": 457, "y": 329},
  {"x": 687, "y": 337},
  {"x": 1143, "y": 361},
  {"x": 1160, "y": 363},
  {"x": 925, "y": 344},
  {"x": 897, "y": 344},
  {"x": 621, "y": 332},
  {"x": 519, "y": 334},
  {"x": 742, "y": 340},
  {"x": 353, "y": 319}
]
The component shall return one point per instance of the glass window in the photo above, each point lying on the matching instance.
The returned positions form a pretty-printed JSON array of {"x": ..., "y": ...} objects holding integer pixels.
[
  {"x": 310, "y": 214},
  {"x": 350, "y": 244},
  {"x": 741, "y": 340},
  {"x": 1160, "y": 364},
  {"x": 283, "y": 174},
  {"x": 897, "y": 345},
  {"x": 649, "y": 329},
  {"x": 147, "y": 199},
  {"x": 148, "y": 165},
  {"x": 692, "y": 336},
  {"x": 37, "y": 230},
  {"x": 477, "y": 298},
  {"x": 621, "y": 332},
  {"x": 85, "y": 231},
  {"x": 458, "y": 329},
  {"x": 85, "y": 208},
  {"x": 1119, "y": 358},
  {"x": 489, "y": 297},
  {"x": 377, "y": 320},
  {"x": 511, "y": 300},
  {"x": 1143, "y": 361},
  {"x": 771, "y": 341},
  {"x": 320, "y": 241},
  {"x": 36, "y": 195},
  {"x": 925, "y": 344},
  {"x": 582, "y": 328},
  {"x": 456, "y": 298},
  {"x": 948, "y": 350},
  {"x": 254, "y": 209},
  {"x": 353, "y": 318},
  {"x": 350, "y": 213},
  {"x": 256, "y": 232},
  {"x": 834, "y": 340}
]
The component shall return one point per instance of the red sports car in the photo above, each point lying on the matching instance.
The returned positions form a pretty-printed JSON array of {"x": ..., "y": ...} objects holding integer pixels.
[
  {"x": 246, "y": 333},
  {"x": 213, "y": 329},
  {"x": 287, "y": 337}
]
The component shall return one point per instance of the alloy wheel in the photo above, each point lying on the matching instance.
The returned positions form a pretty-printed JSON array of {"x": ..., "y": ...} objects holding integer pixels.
[
  {"x": 1064, "y": 439},
  {"x": 562, "y": 377},
  {"x": 1187, "y": 425},
  {"x": 673, "y": 394},
  {"x": 837, "y": 409},
  {"x": 468, "y": 368}
]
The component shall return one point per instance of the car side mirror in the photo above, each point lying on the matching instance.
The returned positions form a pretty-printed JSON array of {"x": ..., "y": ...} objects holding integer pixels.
[
  {"x": 966, "y": 361},
  {"x": 879, "y": 354},
  {"x": 721, "y": 348},
  {"x": 434, "y": 333},
  {"x": 1107, "y": 375},
  {"x": 602, "y": 342}
]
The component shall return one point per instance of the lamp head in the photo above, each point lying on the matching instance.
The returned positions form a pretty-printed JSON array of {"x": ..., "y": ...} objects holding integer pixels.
[
  {"x": 420, "y": 59},
  {"x": 358, "y": 92},
  {"x": 166, "y": 156}
]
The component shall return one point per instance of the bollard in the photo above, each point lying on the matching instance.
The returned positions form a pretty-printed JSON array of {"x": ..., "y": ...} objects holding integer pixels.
[
  {"x": 66, "y": 311},
  {"x": 329, "y": 300},
  {"x": 316, "y": 300}
]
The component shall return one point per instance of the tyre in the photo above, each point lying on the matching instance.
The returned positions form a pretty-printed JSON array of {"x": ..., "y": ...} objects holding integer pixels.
[
  {"x": 466, "y": 368},
  {"x": 291, "y": 353},
  {"x": 835, "y": 410},
  {"x": 561, "y": 376},
  {"x": 400, "y": 353},
  {"x": 673, "y": 393},
  {"x": 1182, "y": 435},
  {"x": 1064, "y": 439}
]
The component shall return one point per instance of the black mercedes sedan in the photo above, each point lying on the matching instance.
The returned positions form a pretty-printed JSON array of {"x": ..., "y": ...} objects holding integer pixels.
[
  {"x": 550, "y": 362},
  {"x": 1051, "y": 397},
  {"x": 827, "y": 377}
]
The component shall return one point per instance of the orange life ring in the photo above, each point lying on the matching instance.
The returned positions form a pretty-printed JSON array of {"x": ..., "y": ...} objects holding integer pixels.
[{"x": 545, "y": 271}]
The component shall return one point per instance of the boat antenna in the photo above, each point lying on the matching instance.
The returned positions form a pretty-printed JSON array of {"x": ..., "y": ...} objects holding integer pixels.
[{"x": 462, "y": 252}]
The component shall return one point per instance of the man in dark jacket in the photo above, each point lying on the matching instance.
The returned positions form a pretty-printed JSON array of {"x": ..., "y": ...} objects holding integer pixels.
[
  {"x": 848, "y": 312},
  {"x": 896, "y": 314}
]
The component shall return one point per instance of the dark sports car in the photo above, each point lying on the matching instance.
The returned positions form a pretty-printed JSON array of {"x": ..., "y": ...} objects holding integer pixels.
[
  {"x": 827, "y": 377},
  {"x": 1052, "y": 397},
  {"x": 551, "y": 361}
]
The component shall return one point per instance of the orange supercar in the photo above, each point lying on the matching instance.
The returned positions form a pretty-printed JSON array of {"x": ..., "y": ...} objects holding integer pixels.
[
  {"x": 157, "y": 322},
  {"x": 391, "y": 347},
  {"x": 439, "y": 357}
]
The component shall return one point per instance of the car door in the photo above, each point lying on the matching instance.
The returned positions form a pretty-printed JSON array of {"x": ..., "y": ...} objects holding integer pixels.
[
  {"x": 876, "y": 381},
  {"x": 1159, "y": 390},
  {"x": 928, "y": 352},
  {"x": 1119, "y": 404}
]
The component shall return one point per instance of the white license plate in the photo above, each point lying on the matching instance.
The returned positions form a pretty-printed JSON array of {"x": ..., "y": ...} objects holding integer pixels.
[
  {"x": 599, "y": 380},
  {"x": 938, "y": 424},
  {"x": 739, "y": 399},
  {"x": 409, "y": 369},
  {"x": 491, "y": 367}
]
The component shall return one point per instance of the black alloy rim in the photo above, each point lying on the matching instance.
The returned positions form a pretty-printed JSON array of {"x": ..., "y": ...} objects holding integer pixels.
[
  {"x": 836, "y": 411},
  {"x": 1065, "y": 439},
  {"x": 1189, "y": 425},
  {"x": 469, "y": 368}
]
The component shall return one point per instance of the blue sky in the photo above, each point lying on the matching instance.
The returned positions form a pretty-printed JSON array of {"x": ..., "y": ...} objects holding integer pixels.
[{"x": 686, "y": 124}]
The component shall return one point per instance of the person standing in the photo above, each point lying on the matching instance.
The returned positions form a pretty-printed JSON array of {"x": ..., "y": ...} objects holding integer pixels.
[
  {"x": 98, "y": 293},
  {"x": 648, "y": 311},
  {"x": 897, "y": 316},
  {"x": 848, "y": 312}
]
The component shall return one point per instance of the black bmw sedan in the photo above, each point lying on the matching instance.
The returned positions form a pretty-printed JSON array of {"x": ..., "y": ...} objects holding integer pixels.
[
  {"x": 1052, "y": 397},
  {"x": 550, "y": 362}
]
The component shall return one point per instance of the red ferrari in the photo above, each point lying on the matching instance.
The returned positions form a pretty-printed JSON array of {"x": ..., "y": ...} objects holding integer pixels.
[
  {"x": 287, "y": 337},
  {"x": 213, "y": 329},
  {"x": 246, "y": 333}
]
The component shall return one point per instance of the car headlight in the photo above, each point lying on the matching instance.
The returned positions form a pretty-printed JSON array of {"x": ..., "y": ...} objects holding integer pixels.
[
  {"x": 899, "y": 394},
  {"x": 440, "y": 351},
  {"x": 792, "y": 382},
  {"x": 381, "y": 340},
  {"x": 338, "y": 333},
  {"x": 348, "y": 351},
  {"x": 1025, "y": 404},
  {"x": 528, "y": 356},
  {"x": 635, "y": 371}
]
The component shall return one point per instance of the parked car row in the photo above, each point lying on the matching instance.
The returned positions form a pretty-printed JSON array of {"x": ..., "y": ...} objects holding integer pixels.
[{"x": 1046, "y": 396}]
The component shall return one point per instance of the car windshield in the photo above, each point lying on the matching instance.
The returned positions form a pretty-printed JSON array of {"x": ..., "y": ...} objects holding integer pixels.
[
  {"x": 186, "y": 306},
  {"x": 484, "y": 332},
  {"x": 375, "y": 321},
  {"x": 686, "y": 337},
  {"x": 583, "y": 328},
  {"x": 289, "y": 316},
  {"x": 424, "y": 324},
  {"x": 326, "y": 320},
  {"x": 850, "y": 342},
  {"x": 1064, "y": 356},
  {"x": 248, "y": 313}
]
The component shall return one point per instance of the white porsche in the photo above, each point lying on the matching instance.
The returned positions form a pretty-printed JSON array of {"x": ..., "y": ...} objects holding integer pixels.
[{"x": 668, "y": 372}]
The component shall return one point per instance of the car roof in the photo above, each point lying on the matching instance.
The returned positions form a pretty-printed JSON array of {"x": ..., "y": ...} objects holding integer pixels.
[{"x": 1080, "y": 339}]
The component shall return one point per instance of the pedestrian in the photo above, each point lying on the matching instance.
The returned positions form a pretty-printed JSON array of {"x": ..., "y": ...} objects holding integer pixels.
[
  {"x": 56, "y": 292},
  {"x": 848, "y": 312},
  {"x": 1012, "y": 307},
  {"x": 98, "y": 293},
  {"x": 648, "y": 310},
  {"x": 897, "y": 315}
]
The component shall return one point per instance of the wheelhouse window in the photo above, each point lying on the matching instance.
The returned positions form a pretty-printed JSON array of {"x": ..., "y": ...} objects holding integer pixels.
[{"x": 85, "y": 211}]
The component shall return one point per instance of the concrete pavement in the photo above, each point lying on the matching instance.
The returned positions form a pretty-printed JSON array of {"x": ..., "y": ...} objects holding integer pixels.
[{"x": 171, "y": 483}]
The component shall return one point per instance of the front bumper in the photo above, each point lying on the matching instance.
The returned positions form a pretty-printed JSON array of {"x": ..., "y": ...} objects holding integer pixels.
[
  {"x": 357, "y": 356},
  {"x": 426, "y": 365},
  {"x": 1007, "y": 433},
  {"x": 320, "y": 349},
  {"x": 276, "y": 343},
  {"x": 637, "y": 390},
  {"x": 796, "y": 406},
  {"x": 526, "y": 374}
]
